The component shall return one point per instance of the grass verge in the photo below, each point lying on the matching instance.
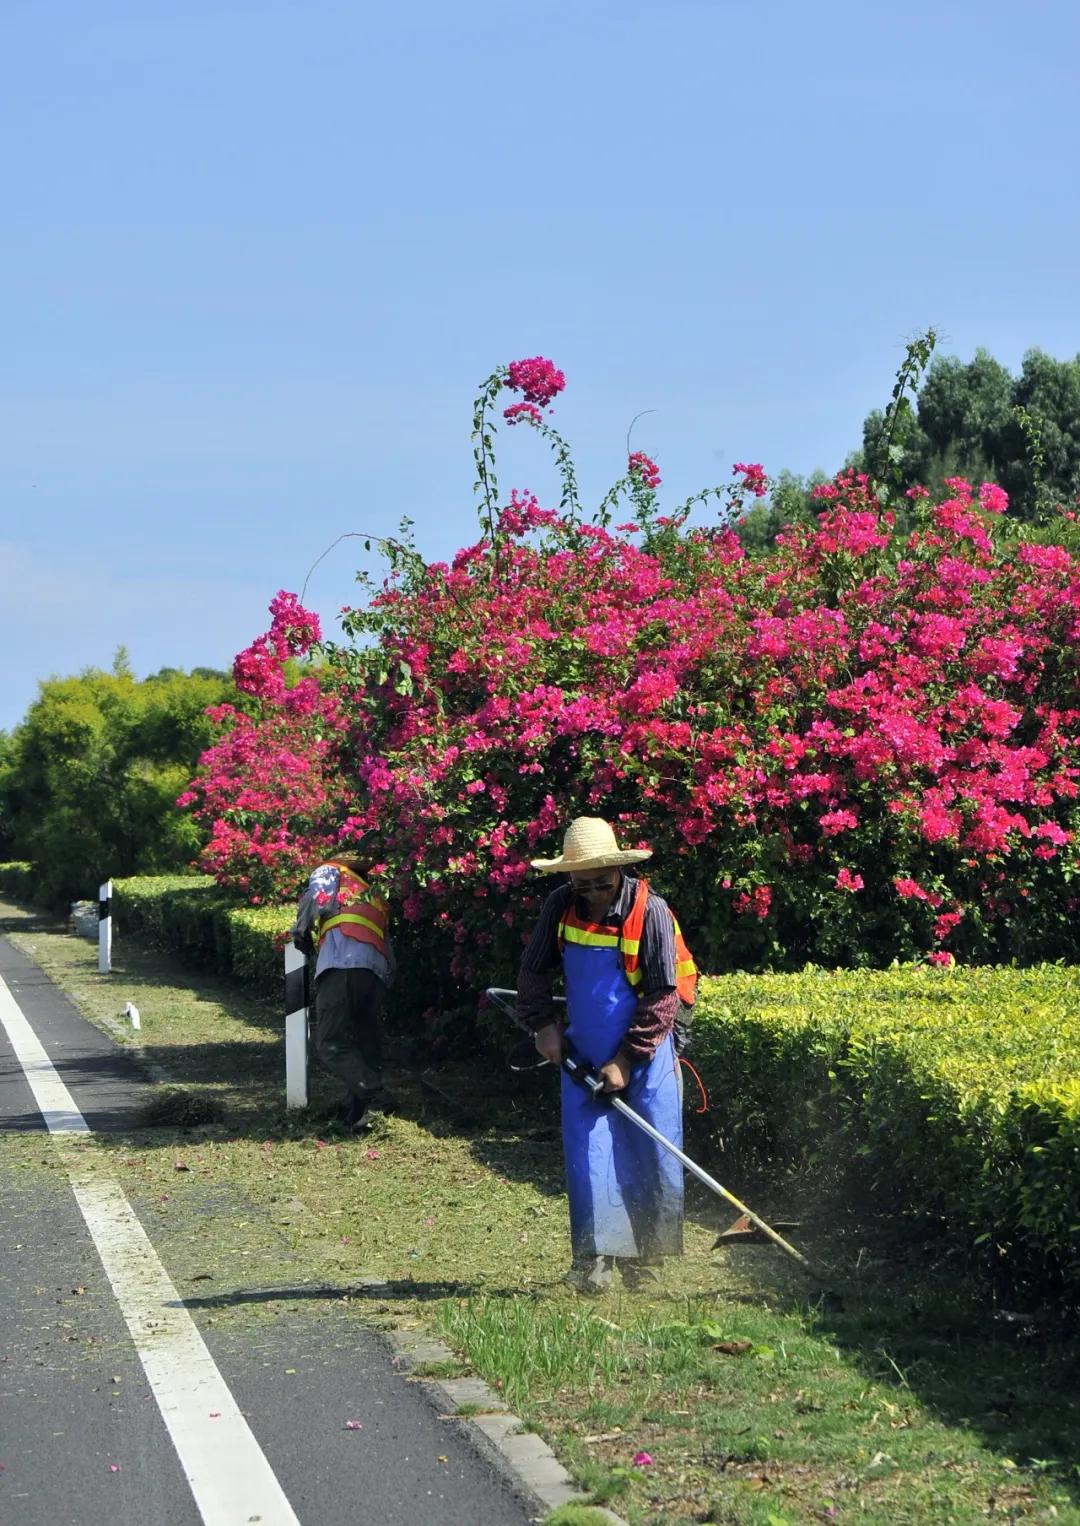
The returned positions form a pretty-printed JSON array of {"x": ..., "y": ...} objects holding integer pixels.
[{"x": 743, "y": 1396}]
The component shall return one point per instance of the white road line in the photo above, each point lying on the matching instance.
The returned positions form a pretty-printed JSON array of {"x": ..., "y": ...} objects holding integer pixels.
[{"x": 223, "y": 1463}]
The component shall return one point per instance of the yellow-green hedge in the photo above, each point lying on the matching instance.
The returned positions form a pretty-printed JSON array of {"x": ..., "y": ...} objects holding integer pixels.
[
  {"x": 953, "y": 1093},
  {"x": 18, "y": 879},
  {"x": 189, "y": 917}
]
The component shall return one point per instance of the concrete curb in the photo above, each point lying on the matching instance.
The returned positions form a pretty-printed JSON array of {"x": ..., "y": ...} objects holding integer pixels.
[{"x": 527, "y": 1457}]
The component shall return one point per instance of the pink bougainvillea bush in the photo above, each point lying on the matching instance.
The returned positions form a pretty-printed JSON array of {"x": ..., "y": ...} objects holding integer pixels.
[
  {"x": 858, "y": 747},
  {"x": 272, "y": 791}
]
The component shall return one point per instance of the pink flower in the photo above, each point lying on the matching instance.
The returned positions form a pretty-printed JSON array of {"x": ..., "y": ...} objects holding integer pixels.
[
  {"x": 294, "y": 627},
  {"x": 642, "y": 1460},
  {"x": 845, "y": 880},
  {"x": 941, "y": 957},
  {"x": 524, "y": 513},
  {"x": 523, "y": 413},
  {"x": 1050, "y": 558},
  {"x": 644, "y": 469},
  {"x": 754, "y": 478},
  {"x": 946, "y": 922},
  {"x": 757, "y": 903},
  {"x": 1052, "y": 832},
  {"x": 538, "y": 380},
  {"x": 939, "y": 824},
  {"x": 994, "y": 499},
  {"x": 257, "y": 670}
]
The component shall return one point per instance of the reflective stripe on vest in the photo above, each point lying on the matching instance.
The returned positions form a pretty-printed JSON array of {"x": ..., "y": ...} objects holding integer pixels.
[
  {"x": 366, "y": 920},
  {"x": 686, "y": 971},
  {"x": 627, "y": 940}
]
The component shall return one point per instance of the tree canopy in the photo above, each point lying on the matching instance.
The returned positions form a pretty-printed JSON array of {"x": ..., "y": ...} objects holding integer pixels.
[
  {"x": 89, "y": 779},
  {"x": 974, "y": 419}
]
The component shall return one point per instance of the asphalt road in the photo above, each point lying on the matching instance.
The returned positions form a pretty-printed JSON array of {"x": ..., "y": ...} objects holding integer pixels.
[{"x": 83, "y": 1436}]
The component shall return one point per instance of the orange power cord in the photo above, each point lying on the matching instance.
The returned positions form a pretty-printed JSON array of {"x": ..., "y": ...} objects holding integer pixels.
[{"x": 704, "y": 1108}]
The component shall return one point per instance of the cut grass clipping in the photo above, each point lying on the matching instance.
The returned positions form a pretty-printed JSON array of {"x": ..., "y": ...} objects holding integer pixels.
[{"x": 181, "y": 1108}]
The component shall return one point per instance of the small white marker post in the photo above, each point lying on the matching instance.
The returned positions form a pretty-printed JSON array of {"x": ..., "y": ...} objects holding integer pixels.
[
  {"x": 296, "y": 1025},
  {"x": 104, "y": 957}
]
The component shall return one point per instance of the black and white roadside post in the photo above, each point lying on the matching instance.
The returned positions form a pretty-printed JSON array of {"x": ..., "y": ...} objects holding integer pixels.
[
  {"x": 296, "y": 1027},
  {"x": 104, "y": 957}
]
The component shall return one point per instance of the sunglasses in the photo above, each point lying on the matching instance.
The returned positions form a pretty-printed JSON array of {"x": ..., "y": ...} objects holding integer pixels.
[{"x": 587, "y": 887}]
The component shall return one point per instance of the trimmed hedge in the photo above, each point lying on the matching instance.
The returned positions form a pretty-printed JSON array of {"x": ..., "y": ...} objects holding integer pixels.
[
  {"x": 189, "y": 917},
  {"x": 19, "y": 880},
  {"x": 952, "y": 1094}
]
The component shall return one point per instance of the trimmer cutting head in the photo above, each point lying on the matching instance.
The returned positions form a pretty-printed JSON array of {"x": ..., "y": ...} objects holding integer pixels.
[{"x": 743, "y": 1232}]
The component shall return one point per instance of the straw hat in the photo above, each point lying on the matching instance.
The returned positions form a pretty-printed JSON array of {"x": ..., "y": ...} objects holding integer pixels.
[
  {"x": 338, "y": 861},
  {"x": 348, "y": 861},
  {"x": 590, "y": 844},
  {"x": 348, "y": 857}
]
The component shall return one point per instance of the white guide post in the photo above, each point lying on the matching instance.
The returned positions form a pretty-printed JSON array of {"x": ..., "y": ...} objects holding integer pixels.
[
  {"x": 104, "y": 957},
  {"x": 296, "y": 1024}
]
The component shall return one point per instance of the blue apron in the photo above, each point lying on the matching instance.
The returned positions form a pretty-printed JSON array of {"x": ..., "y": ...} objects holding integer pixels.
[{"x": 625, "y": 1191}]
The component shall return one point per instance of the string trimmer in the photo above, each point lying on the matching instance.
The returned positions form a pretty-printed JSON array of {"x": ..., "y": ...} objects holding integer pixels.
[{"x": 585, "y": 1076}]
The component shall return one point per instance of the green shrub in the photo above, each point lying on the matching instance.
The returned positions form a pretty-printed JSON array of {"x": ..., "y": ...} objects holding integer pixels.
[
  {"x": 952, "y": 1094},
  {"x": 201, "y": 925},
  {"x": 89, "y": 779},
  {"x": 18, "y": 880},
  {"x": 256, "y": 937}
]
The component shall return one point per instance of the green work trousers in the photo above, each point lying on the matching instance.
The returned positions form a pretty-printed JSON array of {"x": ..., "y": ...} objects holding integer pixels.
[{"x": 349, "y": 1029}]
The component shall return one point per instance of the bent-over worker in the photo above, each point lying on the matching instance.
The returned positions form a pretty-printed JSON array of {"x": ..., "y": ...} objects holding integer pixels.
[{"x": 346, "y": 923}]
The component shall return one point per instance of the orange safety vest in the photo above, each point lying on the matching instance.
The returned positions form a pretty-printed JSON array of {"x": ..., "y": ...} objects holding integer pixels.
[
  {"x": 627, "y": 939},
  {"x": 366, "y": 916}
]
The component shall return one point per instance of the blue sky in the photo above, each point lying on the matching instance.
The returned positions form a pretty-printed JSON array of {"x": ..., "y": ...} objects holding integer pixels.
[{"x": 257, "y": 256}]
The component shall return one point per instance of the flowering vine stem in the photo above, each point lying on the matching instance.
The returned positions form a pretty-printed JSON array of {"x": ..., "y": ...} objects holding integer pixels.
[
  {"x": 483, "y": 432},
  {"x": 604, "y": 512},
  {"x": 384, "y": 543},
  {"x": 721, "y": 494},
  {"x": 568, "y": 503}
]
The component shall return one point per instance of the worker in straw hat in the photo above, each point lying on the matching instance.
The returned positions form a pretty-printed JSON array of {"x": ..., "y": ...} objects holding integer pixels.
[{"x": 628, "y": 974}]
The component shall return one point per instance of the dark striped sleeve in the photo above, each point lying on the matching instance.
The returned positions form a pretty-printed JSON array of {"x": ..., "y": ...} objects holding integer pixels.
[
  {"x": 540, "y": 962},
  {"x": 659, "y": 1003},
  {"x": 658, "y": 947},
  {"x": 542, "y": 951},
  {"x": 653, "y": 1021}
]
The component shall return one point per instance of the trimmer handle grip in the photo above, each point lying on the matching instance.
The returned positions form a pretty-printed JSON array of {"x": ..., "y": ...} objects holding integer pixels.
[{"x": 583, "y": 1075}]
